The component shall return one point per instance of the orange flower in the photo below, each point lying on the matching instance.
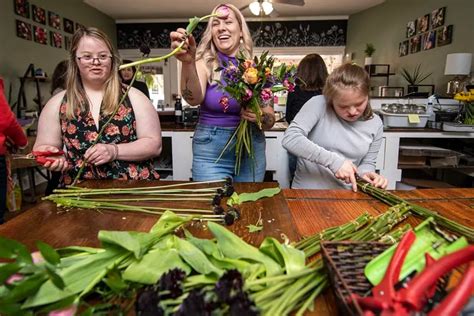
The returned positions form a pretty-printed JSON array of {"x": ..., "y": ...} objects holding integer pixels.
[
  {"x": 144, "y": 174},
  {"x": 251, "y": 76},
  {"x": 112, "y": 130},
  {"x": 247, "y": 64},
  {"x": 132, "y": 171},
  {"x": 268, "y": 72},
  {"x": 91, "y": 136},
  {"x": 125, "y": 130},
  {"x": 71, "y": 129}
]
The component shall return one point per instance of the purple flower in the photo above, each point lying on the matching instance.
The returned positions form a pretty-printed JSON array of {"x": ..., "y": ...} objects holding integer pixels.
[
  {"x": 289, "y": 85},
  {"x": 266, "y": 94},
  {"x": 248, "y": 95}
]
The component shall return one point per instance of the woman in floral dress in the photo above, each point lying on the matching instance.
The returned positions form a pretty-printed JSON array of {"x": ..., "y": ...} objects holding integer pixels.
[{"x": 73, "y": 118}]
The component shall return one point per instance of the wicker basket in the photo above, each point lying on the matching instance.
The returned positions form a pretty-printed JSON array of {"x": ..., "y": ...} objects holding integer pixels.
[{"x": 346, "y": 261}]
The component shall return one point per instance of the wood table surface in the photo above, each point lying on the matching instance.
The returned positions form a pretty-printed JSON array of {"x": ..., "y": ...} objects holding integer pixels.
[
  {"x": 315, "y": 210},
  {"x": 294, "y": 213}
]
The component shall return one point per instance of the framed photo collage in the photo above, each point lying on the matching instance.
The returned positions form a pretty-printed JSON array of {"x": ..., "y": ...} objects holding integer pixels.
[
  {"x": 426, "y": 32},
  {"x": 43, "y": 27}
]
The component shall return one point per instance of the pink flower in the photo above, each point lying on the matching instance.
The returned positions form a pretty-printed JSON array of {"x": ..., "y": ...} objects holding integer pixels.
[
  {"x": 224, "y": 102},
  {"x": 37, "y": 257},
  {"x": 223, "y": 12},
  {"x": 288, "y": 85},
  {"x": 247, "y": 63},
  {"x": 266, "y": 94},
  {"x": 68, "y": 311},
  {"x": 13, "y": 278},
  {"x": 248, "y": 95}
]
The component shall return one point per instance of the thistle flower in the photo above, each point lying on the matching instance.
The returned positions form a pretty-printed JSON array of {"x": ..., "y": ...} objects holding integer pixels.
[
  {"x": 218, "y": 210},
  {"x": 148, "y": 303},
  {"x": 194, "y": 304},
  {"x": 171, "y": 282},
  {"x": 229, "y": 285}
]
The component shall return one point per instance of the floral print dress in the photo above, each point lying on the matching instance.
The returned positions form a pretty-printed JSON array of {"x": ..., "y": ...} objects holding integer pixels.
[{"x": 79, "y": 133}]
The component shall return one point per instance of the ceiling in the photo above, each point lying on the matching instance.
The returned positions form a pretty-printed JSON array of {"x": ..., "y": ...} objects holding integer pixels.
[{"x": 184, "y": 9}]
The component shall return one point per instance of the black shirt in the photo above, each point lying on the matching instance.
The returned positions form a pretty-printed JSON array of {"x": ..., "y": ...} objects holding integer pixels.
[
  {"x": 140, "y": 85},
  {"x": 296, "y": 100}
]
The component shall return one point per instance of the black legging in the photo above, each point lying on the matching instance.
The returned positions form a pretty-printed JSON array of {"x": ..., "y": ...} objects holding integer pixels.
[{"x": 3, "y": 189}]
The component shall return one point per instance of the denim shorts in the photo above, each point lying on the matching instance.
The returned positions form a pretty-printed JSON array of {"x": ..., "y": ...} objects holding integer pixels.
[{"x": 208, "y": 142}]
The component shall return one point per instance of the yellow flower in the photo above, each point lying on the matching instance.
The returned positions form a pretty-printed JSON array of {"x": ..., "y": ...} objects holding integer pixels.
[
  {"x": 247, "y": 64},
  {"x": 268, "y": 72},
  {"x": 251, "y": 75}
]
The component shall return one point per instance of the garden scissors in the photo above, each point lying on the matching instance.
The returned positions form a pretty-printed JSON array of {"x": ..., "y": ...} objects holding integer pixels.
[
  {"x": 410, "y": 299},
  {"x": 41, "y": 157}
]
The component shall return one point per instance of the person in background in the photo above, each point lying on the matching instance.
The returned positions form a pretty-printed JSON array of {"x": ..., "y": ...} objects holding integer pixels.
[
  {"x": 336, "y": 136},
  {"x": 223, "y": 38},
  {"x": 12, "y": 133},
  {"x": 127, "y": 74},
  {"x": 58, "y": 84},
  {"x": 311, "y": 76},
  {"x": 73, "y": 118}
]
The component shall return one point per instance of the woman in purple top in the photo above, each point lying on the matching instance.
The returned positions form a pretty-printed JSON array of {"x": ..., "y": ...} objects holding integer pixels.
[{"x": 221, "y": 41}]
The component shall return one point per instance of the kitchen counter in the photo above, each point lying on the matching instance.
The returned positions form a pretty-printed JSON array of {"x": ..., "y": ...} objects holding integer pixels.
[{"x": 294, "y": 213}]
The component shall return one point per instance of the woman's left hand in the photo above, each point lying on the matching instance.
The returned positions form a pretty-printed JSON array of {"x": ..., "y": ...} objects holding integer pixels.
[
  {"x": 375, "y": 179},
  {"x": 100, "y": 154},
  {"x": 248, "y": 115}
]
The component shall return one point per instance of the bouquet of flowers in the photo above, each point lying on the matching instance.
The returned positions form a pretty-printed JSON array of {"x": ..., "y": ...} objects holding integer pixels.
[
  {"x": 252, "y": 82},
  {"x": 468, "y": 109}
]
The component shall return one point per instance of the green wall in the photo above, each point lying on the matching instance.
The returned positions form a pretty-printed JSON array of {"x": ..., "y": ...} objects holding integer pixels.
[
  {"x": 385, "y": 26},
  {"x": 16, "y": 53}
]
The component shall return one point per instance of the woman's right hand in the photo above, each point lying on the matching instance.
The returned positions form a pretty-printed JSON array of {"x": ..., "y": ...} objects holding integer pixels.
[
  {"x": 347, "y": 173},
  {"x": 188, "y": 51},
  {"x": 59, "y": 163}
]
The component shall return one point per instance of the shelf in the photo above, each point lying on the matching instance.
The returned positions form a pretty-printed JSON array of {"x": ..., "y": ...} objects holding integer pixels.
[{"x": 415, "y": 166}]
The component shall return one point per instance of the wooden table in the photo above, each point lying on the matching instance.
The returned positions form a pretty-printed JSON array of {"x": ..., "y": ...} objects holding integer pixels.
[{"x": 294, "y": 213}]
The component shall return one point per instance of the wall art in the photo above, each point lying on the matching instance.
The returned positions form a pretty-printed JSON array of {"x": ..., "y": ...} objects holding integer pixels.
[
  {"x": 403, "y": 48},
  {"x": 79, "y": 26},
  {"x": 415, "y": 44},
  {"x": 22, "y": 8},
  {"x": 438, "y": 17},
  {"x": 39, "y": 14},
  {"x": 411, "y": 28},
  {"x": 40, "y": 35},
  {"x": 444, "y": 35},
  {"x": 56, "y": 39},
  {"x": 54, "y": 20},
  {"x": 68, "y": 26},
  {"x": 429, "y": 40},
  {"x": 67, "y": 42},
  {"x": 23, "y": 30},
  {"x": 423, "y": 24}
]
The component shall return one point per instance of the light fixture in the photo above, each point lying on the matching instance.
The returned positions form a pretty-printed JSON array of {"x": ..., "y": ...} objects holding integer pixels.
[
  {"x": 459, "y": 65},
  {"x": 257, "y": 7}
]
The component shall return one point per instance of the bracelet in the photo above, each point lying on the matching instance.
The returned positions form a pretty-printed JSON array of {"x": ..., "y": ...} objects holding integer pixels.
[{"x": 115, "y": 151}]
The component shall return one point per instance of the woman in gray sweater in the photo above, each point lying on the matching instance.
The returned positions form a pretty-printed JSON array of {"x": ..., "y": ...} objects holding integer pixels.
[{"x": 336, "y": 136}]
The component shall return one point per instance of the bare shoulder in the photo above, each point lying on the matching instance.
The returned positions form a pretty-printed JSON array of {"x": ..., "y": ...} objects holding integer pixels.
[
  {"x": 139, "y": 101},
  {"x": 53, "y": 104},
  {"x": 202, "y": 70}
]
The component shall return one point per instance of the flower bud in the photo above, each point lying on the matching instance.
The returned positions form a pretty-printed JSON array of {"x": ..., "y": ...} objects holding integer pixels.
[
  {"x": 223, "y": 12},
  {"x": 248, "y": 95},
  {"x": 266, "y": 94},
  {"x": 251, "y": 76}
]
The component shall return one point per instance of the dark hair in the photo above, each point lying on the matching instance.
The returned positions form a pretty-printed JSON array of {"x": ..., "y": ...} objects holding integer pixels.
[
  {"x": 59, "y": 76},
  {"x": 127, "y": 61},
  {"x": 348, "y": 76},
  {"x": 311, "y": 73}
]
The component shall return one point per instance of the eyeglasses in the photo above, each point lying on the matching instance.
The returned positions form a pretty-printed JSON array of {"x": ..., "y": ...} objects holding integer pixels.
[{"x": 88, "y": 59}]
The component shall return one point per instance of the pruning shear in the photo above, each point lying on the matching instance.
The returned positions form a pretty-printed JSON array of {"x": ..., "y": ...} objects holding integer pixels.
[
  {"x": 42, "y": 157},
  {"x": 388, "y": 301}
]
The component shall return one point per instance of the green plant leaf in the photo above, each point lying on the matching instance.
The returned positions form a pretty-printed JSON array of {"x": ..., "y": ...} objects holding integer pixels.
[
  {"x": 26, "y": 287},
  {"x": 291, "y": 258},
  {"x": 13, "y": 309},
  {"x": 168, "y": 222},
  {"x": 135, "y": 242},
  {"x": 193, "y": 23},
  {"x": 54, "y": 277},
  {"x": 254, "y": 228},
  {"x": 12, "y": 249},
  {"x": 115, "y": 282},
  {"x": 49, "y": 254},
  {"x": 252, "y": 196},
  {"x": 7, "y": 270},
  {"x": 195, "y": 257}
]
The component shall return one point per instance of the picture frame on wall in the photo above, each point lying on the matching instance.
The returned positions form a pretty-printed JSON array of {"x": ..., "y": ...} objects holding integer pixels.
[
  {"x": 429, "y": 40},
  {"x": 23, "y": 30},
  {"x": 411, "y": 28},
  {"x": 67, "y": 42},
  {"x": 415, "y": 44},
  {"x": 437, "y": 17},
  {"x": 444, "y": 35},
  {"x": 54, "y": 20},
  {"x": 423, "y": 23},
  {"x": 22, "y": 8},
  {"x": 40, "y": 35},
  {"x": 39, "y": 14},
  {"x": 79, "y": 26},
  {"x": 56, "y": 39},
  {"x": 68, "y": 26},
  {"x": 403, "y": 48}
]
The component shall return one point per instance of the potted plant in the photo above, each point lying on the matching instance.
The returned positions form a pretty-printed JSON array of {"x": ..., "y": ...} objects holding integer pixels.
[
  {"x": 369, "y": 51},
  {"x": 414, "y": 78}
]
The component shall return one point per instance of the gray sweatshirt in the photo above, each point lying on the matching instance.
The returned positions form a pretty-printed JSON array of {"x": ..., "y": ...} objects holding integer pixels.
[{"x": 322, "y": 141}]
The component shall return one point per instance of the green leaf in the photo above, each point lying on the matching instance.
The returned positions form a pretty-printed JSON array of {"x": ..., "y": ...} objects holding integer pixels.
[
  {"x": 49, "y": 254},
  {"x": 232, "y": 246},
  {"x": 54, "y": 277},
  {"x": 168, "y": 222},
  {"x": 254, "y": 228},
  {"x": 252, "y": 197},
  {"x": 195, "y": 257},
  {"x": 288, "y": 256},
  {"x": 135, "y": 242},
  {"x": 26, "y": 287},
  {"x": 12, "y": 249},
  {"x": 152, "y": 265},
  {"x": 12, "y": 309},
  {"x": 193, "y": 23},
  {"x": 7, "y": 270},
  {"x": 59, "y": 305},
  {"x": 115, "y": 282}
]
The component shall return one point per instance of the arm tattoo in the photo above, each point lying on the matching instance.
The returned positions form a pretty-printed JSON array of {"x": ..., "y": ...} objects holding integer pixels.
[
  {"x": 186, "y": 93},
  {"x": 268, "y": 120}
]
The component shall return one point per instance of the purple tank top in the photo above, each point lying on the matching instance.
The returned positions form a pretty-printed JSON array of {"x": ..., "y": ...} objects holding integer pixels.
[{"x": 211, "y": 112}]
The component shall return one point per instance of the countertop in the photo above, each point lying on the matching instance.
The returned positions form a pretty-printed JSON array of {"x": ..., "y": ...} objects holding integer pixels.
[
  {"x": 294, "y": 213},
  {"x": 174, "y": 127}
]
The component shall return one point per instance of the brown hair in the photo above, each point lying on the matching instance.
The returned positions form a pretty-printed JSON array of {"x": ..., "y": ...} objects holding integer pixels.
[
  {"x": 76, "y": 94},
  {"x": 58, "y": 80},
  {"x": 207, "y": 49},
  {"x": 348, "y": 76},
  {"x": 312, "y": 73}
]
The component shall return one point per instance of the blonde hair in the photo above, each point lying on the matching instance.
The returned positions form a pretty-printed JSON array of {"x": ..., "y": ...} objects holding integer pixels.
[
  {"x": 348, "y": 76},
  {"x": 207, "y": 50},
  {"x": 75, "y": 93}
]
